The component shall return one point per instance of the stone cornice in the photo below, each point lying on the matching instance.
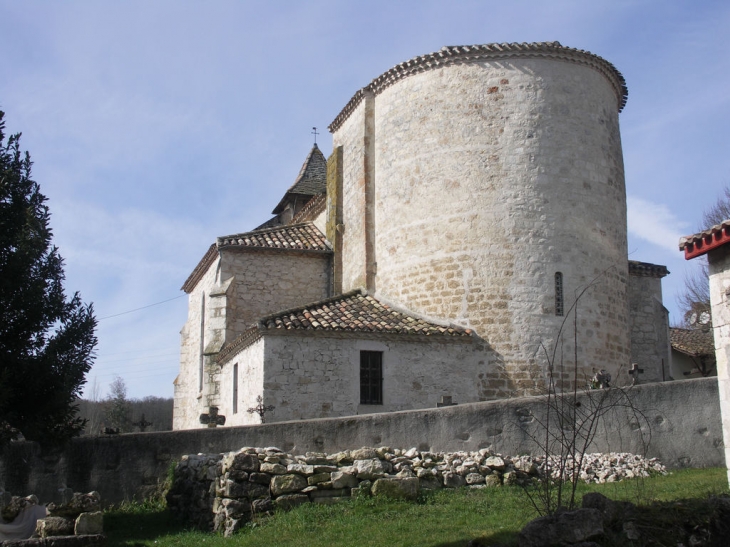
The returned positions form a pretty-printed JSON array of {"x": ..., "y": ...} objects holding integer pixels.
[{"x": 450, "y": 55}]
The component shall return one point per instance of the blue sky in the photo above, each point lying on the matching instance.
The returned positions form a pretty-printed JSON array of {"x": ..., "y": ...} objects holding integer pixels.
[{"x": 157, "y": 126}]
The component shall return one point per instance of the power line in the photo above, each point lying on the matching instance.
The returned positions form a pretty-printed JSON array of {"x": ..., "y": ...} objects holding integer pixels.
[{"x": 142, "y": 308}]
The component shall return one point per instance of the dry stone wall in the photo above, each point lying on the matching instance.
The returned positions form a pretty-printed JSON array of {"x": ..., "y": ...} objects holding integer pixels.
[{"x": 222, "y": 491}]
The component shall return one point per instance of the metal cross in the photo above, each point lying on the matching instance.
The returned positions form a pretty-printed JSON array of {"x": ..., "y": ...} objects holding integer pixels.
[
  {"x": 634, "y": 372},
  {"x": 260, "y": 409},
  {"x": 314, "y": 132},
  {"x": 212, "y": 419},
  {"x": 142, "y": 423}
]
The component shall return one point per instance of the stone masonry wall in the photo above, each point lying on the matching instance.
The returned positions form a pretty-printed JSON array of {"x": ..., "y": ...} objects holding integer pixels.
[
  {"x": 317, "y": 376},
  {"x": 488, "y": 179},
  {"x": 352, "y": 138},
  {"x": 245, "y": 286},
  {"x": 686, "y": 430},
  {"x": 649, "y": 318}
]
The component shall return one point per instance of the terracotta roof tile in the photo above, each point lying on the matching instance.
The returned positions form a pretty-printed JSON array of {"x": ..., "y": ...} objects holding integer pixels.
[
  {"x": 702, "y": 242},
  {"x": 298, "y": 237},
  {"x": 646, "y": 269},
  {"x": 205, "y": 262},
  {"x": 695, "y": 342},
  {"x": 356, "y": 312},
  {"x": 312, "y": 209},
  {"x": 449, "y": 55}
]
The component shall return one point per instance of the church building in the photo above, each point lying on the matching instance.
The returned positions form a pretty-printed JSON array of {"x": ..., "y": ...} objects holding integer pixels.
[{"x": 468, "y": 228}]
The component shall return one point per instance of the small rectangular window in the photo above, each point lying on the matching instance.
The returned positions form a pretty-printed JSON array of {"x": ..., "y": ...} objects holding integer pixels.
[
  {"x": 371, "y": 377},
  {"x": 235, "y": 388}
]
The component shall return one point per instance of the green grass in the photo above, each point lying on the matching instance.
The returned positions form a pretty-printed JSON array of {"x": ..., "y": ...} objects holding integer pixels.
[{"x": 447, "y": 518}]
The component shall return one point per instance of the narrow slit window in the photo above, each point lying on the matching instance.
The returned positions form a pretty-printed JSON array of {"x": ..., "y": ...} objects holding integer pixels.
[
  {"x": 371, "y": 377},
  {"x": 559, "y": 307},
  {"x": 235, "y": 388}
]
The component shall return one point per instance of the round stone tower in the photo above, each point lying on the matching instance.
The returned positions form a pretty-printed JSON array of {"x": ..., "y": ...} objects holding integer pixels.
[{"x": 484, "y": 185}]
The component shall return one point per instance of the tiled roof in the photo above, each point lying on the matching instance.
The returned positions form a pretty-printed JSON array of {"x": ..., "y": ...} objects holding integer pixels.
[
  {"x": 205, "y": 262},
  {"x": 449, "y": 55},
  {"x": 311, "y": 210},
  {"x": 303, "y": 237},
  {"x": 297, "y": 237},
  {"x": 702, "y": 242},
  {"x": 695, "y": 342},
  {"x": 355, "y": 311},
  {"x": 312, "y": 179},
  {"x": 646, "y": 269}
]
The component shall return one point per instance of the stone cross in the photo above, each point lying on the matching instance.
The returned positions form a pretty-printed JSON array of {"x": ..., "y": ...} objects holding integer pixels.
[
  {"x": 142, "y": 424},
  {"x": 445, "y": 401},
  {"x": 634, "y": 372},
  {"x": 260, "y": 409},
  {"x": 212, "y": 419},
  {"x": 314, "y": 132}
]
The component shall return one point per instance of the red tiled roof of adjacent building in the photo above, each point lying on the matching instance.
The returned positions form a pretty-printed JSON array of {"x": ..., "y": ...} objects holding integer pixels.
[
  {"x": 702, "y": 242},
  {"x": 694, "y": 342}
]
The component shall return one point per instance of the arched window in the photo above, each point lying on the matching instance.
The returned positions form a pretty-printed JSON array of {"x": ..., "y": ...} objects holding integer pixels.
[{"x": 559, "y": 309}]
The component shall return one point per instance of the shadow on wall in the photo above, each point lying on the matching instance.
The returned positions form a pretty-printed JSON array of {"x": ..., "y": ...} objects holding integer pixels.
[{"x": 684, "y": 418}]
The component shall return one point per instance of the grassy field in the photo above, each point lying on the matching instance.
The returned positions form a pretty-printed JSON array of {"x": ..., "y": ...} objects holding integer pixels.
[{"x": 447, "y": 518}]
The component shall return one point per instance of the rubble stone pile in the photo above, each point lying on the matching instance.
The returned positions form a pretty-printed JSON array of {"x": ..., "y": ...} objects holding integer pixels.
[
  {"x": 222, "y": 491},
  {"x": 70, "y": 514}
]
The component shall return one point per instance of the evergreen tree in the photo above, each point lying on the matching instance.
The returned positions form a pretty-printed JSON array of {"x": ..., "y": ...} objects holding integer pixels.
[
  {"x": 118, "y": 408},
  {"x": 46, "y": 340}
]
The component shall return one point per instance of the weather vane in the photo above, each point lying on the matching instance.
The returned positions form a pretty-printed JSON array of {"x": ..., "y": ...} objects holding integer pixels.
[{"x": 314, "y": 132}]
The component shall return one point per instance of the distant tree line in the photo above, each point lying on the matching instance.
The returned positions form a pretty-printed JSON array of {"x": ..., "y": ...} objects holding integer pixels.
[{"x": 117, "y": 414}]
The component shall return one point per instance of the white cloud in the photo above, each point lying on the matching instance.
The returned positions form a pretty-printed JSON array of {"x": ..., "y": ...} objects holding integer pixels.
[{"x": 655, "y": 223}]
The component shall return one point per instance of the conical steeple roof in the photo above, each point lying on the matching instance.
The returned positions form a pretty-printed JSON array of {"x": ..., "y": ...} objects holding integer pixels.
[{"x": 311, "y": 181}]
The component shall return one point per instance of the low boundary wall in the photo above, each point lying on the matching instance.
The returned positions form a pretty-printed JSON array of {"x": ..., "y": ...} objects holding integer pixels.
[{"x": 681, "y": 417}]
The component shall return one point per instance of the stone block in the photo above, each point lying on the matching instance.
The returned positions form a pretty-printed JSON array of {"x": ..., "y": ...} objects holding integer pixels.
[
  {"x": 343, "y": 480},
  {"x": 89, "y": 524},
  {"x": 318, "y": 478},
  {"x": 54, "y": 526},
  {"x": 369, "y": 469},
  {"x": 289, "y": 501},
  {"x": 397, "y": 488},
  {"x": 452, "y": 480},
  {"x": 285, "y": 484}
]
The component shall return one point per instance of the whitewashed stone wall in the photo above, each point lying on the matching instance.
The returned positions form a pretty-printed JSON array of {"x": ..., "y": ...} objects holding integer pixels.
[
  {"x": 239, "y": 288},
  {"x": 649, "y": 329},
  {"x": 316, "y": 376},
  {"x": 188, "y": 397},
  {"x": 250, "y": 363},
  {"x": 719, "y": 260},
  {"x": 489, "y": 178}
]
